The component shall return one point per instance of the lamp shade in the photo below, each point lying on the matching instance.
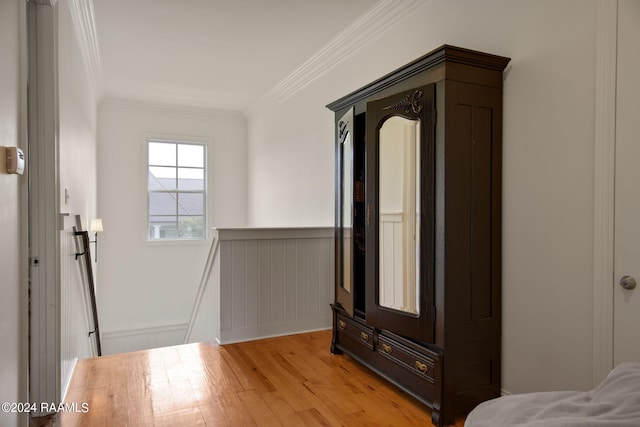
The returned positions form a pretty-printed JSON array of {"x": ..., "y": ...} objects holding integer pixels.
[{"x": 96, "y": 225}]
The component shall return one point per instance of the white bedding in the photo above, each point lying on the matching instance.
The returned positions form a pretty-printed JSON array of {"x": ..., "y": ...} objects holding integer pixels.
[{"x": 614, "y": 403}]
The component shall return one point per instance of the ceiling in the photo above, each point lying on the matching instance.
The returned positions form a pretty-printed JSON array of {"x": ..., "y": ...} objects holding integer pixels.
[{"x": 211, "y": 53}]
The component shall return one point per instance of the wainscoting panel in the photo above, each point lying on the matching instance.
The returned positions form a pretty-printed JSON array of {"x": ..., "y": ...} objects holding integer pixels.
[
  {"x": 391, "y": 271},
  {"x": 75, "y": 326},
  {"x": 273, "y": 282}
]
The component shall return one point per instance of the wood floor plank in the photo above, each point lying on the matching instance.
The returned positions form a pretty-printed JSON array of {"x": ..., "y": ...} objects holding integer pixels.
[
  {"x": 313, "y": 417},
  {"x": 237, "y": 413},
  {"x": 281, "y": 408},
  {"x": 257, "y": 408},
  {"x": 285, "y": 381},
  {"x": 218, "y": 375}
]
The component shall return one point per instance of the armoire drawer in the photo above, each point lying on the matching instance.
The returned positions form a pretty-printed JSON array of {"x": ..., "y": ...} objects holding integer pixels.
[
  {"x": 417, "y": 363},
  {"x": 355, "y": 330}
]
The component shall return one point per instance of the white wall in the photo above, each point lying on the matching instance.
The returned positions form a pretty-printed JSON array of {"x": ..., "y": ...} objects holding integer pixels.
[
  {"x": 77, "y": 174},
  {"x": 548, "y": 165},
  {"x": 13, "y": 356},
  {"x": 78, "y": 123},
  {"x": 145, "y": 284}
]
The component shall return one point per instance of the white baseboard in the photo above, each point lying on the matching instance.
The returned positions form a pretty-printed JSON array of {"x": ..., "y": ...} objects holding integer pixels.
[
  {"x": 271, "y": 330},
  {"x": 65, "y": 388},
  {"x": 124, "y": 341}
]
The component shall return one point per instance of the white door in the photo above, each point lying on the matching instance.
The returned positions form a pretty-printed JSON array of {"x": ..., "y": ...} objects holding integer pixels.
[{"x": 626, "y": 320}]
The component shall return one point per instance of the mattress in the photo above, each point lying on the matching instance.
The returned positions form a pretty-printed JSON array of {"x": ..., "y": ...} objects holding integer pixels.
[{"x": 614, "y": 403}]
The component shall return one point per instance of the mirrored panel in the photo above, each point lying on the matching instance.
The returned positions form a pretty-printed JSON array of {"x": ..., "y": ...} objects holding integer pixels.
[
  {"x": 345, "y": 139},
  {"x": 399, "y": 214}
]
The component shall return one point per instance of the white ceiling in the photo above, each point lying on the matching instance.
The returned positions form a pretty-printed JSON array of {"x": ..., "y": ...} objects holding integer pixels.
[{"x": 211, "y": 53}]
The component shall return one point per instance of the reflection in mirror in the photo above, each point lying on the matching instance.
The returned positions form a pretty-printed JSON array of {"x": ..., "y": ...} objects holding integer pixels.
[
  {"x": 399, "y": 214},
  {"x": 346, "y": 215}
]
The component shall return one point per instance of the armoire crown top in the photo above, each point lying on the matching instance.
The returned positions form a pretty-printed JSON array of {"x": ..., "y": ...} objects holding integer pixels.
[{"x": 445, "y": 53}]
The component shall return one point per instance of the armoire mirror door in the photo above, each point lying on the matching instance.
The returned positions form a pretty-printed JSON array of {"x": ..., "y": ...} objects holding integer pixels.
[
  {"x": 400, "y": 176},
  {"x": 398, "y": 214},
  {"x": 345, "y": 211}
]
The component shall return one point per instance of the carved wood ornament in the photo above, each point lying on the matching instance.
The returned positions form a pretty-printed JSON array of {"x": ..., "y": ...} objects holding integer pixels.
[{"x": 408, "y": 104}]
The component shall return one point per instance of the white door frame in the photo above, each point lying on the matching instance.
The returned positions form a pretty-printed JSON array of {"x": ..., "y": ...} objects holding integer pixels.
[
  {"x": 604, "y": 187},
  {"x": 44, "y": 218}
]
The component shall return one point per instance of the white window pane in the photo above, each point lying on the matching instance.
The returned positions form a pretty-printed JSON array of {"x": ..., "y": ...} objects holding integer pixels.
[
  {"x": 191, "y": 155},
  {"x": 190, "y": 179},
  {"x": 191, "y": 227},
  {"x": 163, "y": 227},
  {"x": 190, "y": 204},
  {"x": 162, "y": 203},
  {"x": 162, "y": 154},
  {"x": 162, "y": 178}
]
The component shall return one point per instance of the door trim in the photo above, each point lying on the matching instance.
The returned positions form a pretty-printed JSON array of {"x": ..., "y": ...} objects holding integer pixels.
[
  {"x": 44, "y": 220},
  {"x": 604, "y": 187}
]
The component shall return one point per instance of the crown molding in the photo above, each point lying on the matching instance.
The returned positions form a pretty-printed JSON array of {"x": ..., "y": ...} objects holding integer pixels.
[
  {"x": 84, "y": 22},
  {"x": 125, "y": 104},
  {"x": 361, "y": 32}
]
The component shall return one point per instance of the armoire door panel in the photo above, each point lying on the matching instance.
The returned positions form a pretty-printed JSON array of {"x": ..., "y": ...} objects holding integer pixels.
[
  {"x": 392, "y": 214},
  {"x": 470, "y": 243},
  {"x": 481, "y": 211}
]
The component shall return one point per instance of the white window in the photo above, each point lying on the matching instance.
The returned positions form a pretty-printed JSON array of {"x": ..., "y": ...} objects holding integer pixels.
[{"x": 177, "y": 190}]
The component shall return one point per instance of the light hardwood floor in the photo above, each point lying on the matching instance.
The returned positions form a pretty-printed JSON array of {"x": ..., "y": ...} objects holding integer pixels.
[{"x": 285, "y": 381}]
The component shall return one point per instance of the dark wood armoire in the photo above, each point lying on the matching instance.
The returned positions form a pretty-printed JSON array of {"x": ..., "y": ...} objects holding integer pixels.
[{"x": 418, "y": 228}]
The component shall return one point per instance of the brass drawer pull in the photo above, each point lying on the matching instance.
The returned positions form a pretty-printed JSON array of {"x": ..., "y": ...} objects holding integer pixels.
[
  {"x": 342, "y": 324},
  {"x": 364, "y": 336},
  {"x": 387, "y": 348},
  {"x": 422, "y": 367}
]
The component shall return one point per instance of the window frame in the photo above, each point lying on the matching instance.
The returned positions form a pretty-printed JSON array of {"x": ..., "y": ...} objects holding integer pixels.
[{"x": 178, "y": 141}]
